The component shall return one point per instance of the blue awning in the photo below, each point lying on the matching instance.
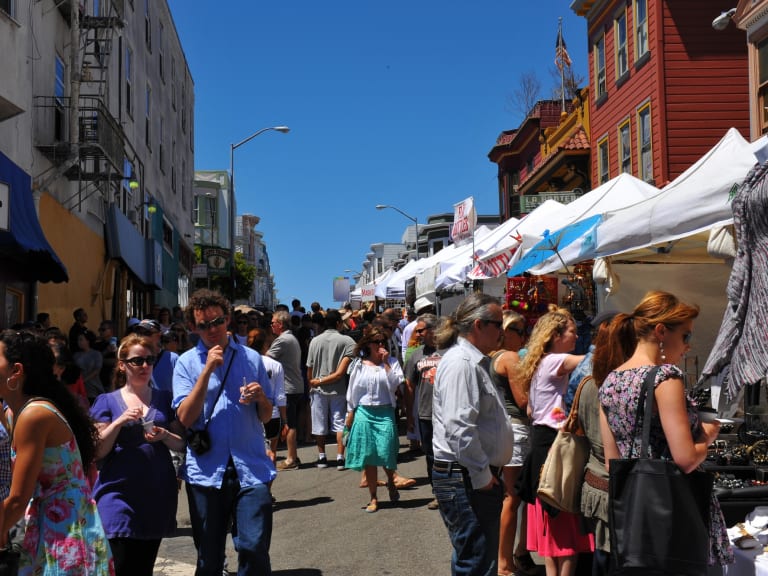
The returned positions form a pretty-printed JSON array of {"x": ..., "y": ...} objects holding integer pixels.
[{"x": 24, "y": 251}]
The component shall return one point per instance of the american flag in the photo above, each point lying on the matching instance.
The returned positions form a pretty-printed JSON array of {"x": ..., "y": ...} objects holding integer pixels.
[{"x": 561, "y": 54}]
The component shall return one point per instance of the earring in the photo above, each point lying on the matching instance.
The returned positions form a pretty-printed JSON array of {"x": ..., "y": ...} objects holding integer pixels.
[
  {"x": 8, "y": 385},
  {"x": 663, "y": 356}
]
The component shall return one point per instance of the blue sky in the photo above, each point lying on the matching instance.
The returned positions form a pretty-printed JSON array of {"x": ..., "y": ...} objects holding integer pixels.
[{"x": 388, "y": 103}]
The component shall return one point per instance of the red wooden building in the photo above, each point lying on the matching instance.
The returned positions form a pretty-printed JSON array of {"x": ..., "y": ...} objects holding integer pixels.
[{"x": 664, "y": 86}]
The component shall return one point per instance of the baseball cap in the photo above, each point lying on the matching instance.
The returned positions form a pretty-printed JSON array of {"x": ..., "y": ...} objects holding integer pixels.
[{"x": 604, "y": 316}]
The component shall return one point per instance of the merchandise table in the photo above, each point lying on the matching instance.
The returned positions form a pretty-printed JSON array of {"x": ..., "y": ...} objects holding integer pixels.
[{"x": 748, "y": 563}]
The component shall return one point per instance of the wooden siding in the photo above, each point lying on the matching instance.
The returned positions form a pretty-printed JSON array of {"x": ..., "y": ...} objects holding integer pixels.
[{"x": 706, "y": 81}]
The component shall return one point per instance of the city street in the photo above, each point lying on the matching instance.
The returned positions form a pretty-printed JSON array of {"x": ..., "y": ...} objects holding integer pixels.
[{"x": 320, "y": 527}]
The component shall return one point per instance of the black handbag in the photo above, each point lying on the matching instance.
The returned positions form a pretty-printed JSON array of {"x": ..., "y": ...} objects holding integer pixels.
[
  {"x": 9, "y": 560},
  {"x": 658, "y": 515}
]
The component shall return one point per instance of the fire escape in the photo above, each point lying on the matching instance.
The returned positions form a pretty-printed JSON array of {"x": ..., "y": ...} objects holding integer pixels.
[{"x": 94, "y": 154}]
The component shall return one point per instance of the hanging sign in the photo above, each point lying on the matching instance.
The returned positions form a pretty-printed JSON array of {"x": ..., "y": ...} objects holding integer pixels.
[{"x": 464, "y": 221}]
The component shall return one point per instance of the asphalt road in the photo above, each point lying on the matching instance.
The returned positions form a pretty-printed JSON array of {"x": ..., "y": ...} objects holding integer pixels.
[{"x": 321, "y": 528}]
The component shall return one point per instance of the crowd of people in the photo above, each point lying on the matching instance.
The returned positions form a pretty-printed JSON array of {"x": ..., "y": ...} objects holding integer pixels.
[{"x": 99, "y": 432}]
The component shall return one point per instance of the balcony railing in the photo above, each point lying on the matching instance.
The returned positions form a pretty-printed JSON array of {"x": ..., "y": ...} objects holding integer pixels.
[{"x": 100, "y": 136}]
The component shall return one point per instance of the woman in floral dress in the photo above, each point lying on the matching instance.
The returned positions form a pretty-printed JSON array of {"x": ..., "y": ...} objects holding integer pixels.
[
  {"x": 53, "y": 440},
  {"x": 657, "y": 333}
]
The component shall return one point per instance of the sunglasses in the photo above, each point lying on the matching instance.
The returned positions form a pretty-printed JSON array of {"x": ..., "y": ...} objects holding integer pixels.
[
  {"x": 139, "y": 361},
  {"x": 497, "y": 323},
  {"x": 379, "y": 342},
  {"x": 420, "y": 330},
  {"x": 242, "y": 322},
  {"x": 211, "y": 323},
  {"x": 519, "y": 331},
  {"x": 687, "y": 337}
]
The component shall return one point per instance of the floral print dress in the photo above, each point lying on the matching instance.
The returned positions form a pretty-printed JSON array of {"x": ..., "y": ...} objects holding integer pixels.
[
  {"x": 619, "y": 396},
  {"x": 64, "y": 535}
]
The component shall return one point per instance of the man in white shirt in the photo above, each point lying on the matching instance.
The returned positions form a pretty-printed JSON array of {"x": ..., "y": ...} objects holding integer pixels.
[{"x": 472, "y": 436}]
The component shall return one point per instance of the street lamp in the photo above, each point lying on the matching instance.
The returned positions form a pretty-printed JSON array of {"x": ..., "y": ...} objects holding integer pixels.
[
  {"x": 232, "y": 148},
  {"x": 411, "y": 218}
]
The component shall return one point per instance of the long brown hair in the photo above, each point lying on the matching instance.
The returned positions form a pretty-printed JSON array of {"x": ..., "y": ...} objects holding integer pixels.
[{"x": 626, "y": 330}]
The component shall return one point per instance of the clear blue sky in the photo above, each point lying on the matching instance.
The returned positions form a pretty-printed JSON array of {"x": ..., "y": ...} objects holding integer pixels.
[{"x": 388, "y": 103}]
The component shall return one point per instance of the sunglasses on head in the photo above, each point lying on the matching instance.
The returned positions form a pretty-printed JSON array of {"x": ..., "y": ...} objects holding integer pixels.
[
  {"x": 139, "y": 361},
  {"x": 211, "y": 323}
]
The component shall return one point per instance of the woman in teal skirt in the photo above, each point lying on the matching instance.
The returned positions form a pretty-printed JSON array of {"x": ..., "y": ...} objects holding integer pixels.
[{"x": 372, "y": 441}]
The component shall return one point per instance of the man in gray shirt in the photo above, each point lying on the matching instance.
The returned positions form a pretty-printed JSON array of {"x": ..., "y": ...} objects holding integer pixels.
[
  {"x": 286, "y": 350},
  {"x": 329, "y": 356},
  {"x": 472, "y": 436}
]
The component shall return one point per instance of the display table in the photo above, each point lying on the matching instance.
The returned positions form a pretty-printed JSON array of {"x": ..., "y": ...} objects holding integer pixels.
[{"x": 748, "y": 563}]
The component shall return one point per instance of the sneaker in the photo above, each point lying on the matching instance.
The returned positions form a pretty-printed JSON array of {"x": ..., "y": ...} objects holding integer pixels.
[
  {"x": 286, "y": 465},
  {"x": 433, "y": 505},
  {"x": 322, "y": 462},
  {"x": 341, "y": 464}
]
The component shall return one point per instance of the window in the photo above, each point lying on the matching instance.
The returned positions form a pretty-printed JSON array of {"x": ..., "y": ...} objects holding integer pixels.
[
  {"x": 603, "y": 171},
  {"x": 184, "y": 108},
  {"x": 173, "y": 166},
  {"x": 173, "y": 83},
  {"x": 148, "y": 119},
  {"x": 129, "y": 82},
  {"x": 625, "y": 148},
  {"x": 622, "y": 65},
  {"x": 160, "y": 34},
  {"x": 641, "y": 28},
  {"x": 762, "y": 80},
  {"x": 9, "y": 7},
  {"x": 130, "y": 174},
  {"x": 147, "y": 26},
  {"x": 60, "y": 110},
  {"x": 645, "y": 161},
  {"x": 96, "y": 8},
  {"x": 167, "y": 236},
  {"x": 600, "y": 87},
  {"x": 161, "y": 138}
]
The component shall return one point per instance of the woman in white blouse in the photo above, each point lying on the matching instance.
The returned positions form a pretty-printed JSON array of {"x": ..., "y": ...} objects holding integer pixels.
[{"x": 371, "y": 402}]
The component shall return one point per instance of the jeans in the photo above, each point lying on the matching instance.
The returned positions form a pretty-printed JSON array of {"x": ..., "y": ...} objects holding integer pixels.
[
  {"x": 472, "y": 518},
  {"x": 425, "y": 431},
  {"x": 250, "y": 509}
]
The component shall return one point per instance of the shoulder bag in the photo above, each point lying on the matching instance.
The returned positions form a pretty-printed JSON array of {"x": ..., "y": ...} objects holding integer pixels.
[
  {"x": 562, "y": 474},
  {"x": 658, "y": 515}
]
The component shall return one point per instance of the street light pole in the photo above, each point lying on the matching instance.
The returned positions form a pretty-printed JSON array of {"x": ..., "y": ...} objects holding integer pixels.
[
  {"x": 232, "y": 215},
  {"x": 411, "y": 218}
]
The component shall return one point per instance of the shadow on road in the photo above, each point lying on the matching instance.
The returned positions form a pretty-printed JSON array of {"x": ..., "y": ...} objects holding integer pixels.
[
  {"x": 298, "y": 572},
  {"x": 287, "y": 504}
]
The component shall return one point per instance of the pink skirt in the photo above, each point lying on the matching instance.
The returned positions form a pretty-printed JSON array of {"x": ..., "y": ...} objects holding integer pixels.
[{"x": 554, "y": 537}]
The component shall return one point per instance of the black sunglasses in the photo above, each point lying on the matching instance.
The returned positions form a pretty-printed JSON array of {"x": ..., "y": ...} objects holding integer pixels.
[
  {"x": 211, "y": 323},
  {"x": 519, "y": 331},
  {"x": 420, "y": 330},
  {"x": 687, "y": 337},
  {"x": 139, "y": 361},
  {"x": 497, "y": 323},
  {"x": 378, "y": 342}
]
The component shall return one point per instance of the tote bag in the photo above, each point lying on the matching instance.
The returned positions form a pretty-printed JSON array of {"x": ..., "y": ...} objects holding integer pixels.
[
  {"x": 658, "y": 515},
  {"x": 562, "y": 474}
]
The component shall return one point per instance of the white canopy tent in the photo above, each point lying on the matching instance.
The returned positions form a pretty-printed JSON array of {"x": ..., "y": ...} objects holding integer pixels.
[
  {"x": 494, "y": 252},
  {"x": 695, "y": 202}
]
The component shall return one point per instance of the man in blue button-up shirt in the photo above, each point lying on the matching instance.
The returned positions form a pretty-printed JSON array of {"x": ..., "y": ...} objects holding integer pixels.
[{"x": 222, "y": 389}]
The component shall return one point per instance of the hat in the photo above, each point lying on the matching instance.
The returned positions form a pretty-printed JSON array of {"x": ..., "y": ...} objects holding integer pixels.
[
  {"x": 422, "y": 303},
  {"x": 149, "y": 325},
  {"x": 132, "y": 322},
  {"x": 346, "y": 314},
  {"x": 604, "y": 316}
]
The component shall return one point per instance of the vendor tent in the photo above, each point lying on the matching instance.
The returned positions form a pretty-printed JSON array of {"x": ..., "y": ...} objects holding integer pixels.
[{"x": 695, "y": 202}]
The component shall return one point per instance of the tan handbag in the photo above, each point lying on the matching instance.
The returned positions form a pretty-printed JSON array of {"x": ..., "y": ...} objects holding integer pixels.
[{"x": 562, "y": 474}]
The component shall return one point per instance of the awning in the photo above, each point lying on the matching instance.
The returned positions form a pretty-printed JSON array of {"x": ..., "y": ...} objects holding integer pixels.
[{"x": 24, "y": 251}]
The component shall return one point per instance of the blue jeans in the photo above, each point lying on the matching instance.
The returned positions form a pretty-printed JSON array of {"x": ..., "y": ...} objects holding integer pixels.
[
  {"x": 250, "y": 510},
  {"x": 425, "y": 431},
  {"x": 472, "y": 518}
]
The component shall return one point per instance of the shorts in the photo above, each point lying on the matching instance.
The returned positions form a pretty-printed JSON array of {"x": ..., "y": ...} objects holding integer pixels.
[
  {"x": 322, "y": 406},
  {"x": 272, "y": 429},
  {"x": 520, "y": 446},
  {"x": 293, "y": 404}
]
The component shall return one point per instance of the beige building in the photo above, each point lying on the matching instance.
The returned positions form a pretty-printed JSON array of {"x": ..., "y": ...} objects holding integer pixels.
[{"x": 104, "y": 133}]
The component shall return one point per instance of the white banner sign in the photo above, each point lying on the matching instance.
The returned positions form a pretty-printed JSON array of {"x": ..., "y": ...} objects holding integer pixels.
[
  {"x": 199, "y": 270},
  {"x": 493, "y": 265},
  {"x": 464, "y": 221},
  {"x": 368, "y": 293}
]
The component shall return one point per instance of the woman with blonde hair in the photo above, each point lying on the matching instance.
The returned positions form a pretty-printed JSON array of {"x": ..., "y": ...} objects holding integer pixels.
[
  {"x": 136, "y": 491},
  {"x": 513, "y": 556},
  {"x": 555, "y": 535},
  {"x": 657, "y": 333}
]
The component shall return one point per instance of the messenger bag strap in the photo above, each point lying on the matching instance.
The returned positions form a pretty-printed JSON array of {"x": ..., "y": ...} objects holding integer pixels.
[{"x": 221, "y": 389}]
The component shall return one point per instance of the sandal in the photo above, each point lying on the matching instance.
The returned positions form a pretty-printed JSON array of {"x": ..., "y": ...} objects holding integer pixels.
[
  {"x": 372, "y": 507},
  {"x": 394, "y": 495}
]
